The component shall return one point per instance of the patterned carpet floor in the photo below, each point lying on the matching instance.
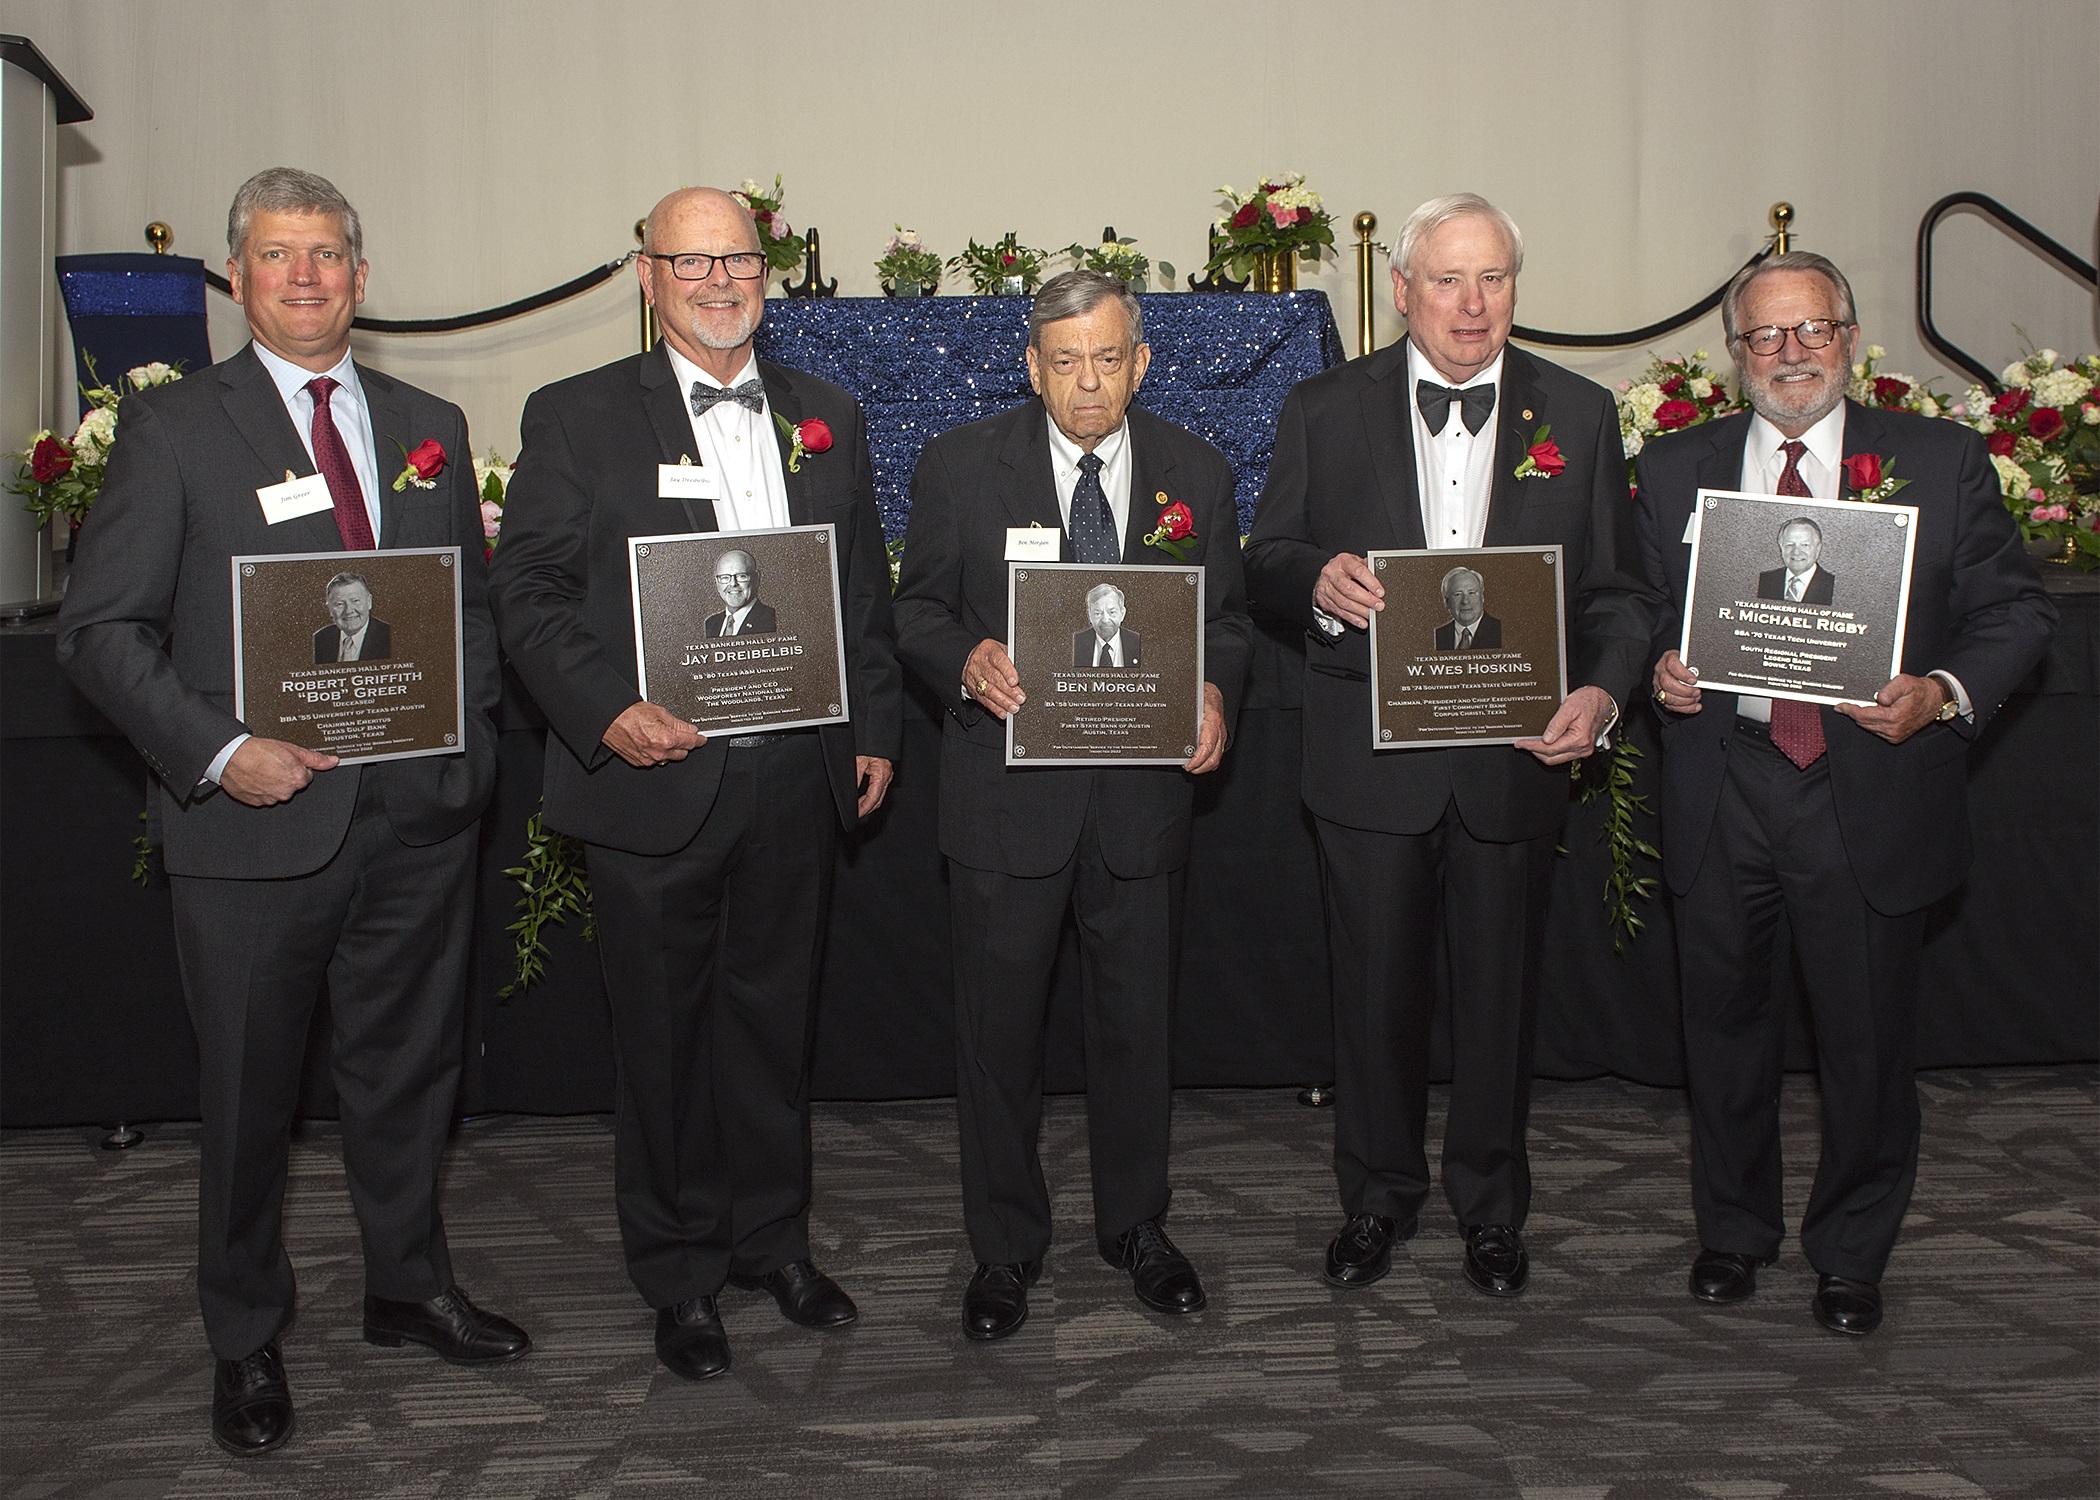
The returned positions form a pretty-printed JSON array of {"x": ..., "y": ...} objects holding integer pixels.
[{"x": 1605, "y": 1380}]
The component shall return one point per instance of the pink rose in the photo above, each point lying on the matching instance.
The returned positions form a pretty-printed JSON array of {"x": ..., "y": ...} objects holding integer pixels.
[
  {"x": 491, "y": 519},
  {"x": 1284, "y": 217}
]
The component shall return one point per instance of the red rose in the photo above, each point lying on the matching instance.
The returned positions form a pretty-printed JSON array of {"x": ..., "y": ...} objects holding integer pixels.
[
  {"x": 1672, "y": 415},
  {"x": 1890, "y": 391},
  {"x": 49, "y": 460},
  {"x": 1673, "y": 385},
  {"x": 2044, "y": 423},
  {"x": 762, "y": 215},
  {"x": 2093, "y": 394},
  {"x": 1177, "y": 522},
  {"x": 1248, "y": 213},
  {"x": 2001, "y": 444},
  {"x": 1547, "y": 455},
  {"x": 427, "y": 458},
  {"x": 815, "y": 435},
  {"x": 2008, "y": 404},
  {"x": 1863, "y": 470},
  {"x": 1713, "y": 397}
]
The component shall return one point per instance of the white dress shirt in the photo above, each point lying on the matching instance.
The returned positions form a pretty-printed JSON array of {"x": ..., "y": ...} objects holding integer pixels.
[
  {"x": 1108, "y": 653},
  {"x": 1454, "y": 468},
  {"x": 348, "y": 647},
  {"x": 740, "y": 445},
  {"x": 733, "y": 620},
  {"x": 1114, "y": 453}
]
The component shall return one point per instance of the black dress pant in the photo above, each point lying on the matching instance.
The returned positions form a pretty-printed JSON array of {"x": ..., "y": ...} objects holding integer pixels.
[
  {"x": 1004, "y": 929},
  {"x": 711, "y": 959},
  {"x": 386, "y": 926},
  {"x": 1390, "y": 899},
  {"x": 1775, "y": 848}
]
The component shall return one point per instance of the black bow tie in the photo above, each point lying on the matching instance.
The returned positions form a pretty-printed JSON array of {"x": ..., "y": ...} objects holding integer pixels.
[
  {"x": 752, "y": 393},
  {"x": 1475, "y": 403}
]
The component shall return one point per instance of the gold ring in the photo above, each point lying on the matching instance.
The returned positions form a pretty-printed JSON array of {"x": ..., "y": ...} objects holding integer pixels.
[
  {"x": 1661, "y": 698},
  {"x": 982, "y": 685}
]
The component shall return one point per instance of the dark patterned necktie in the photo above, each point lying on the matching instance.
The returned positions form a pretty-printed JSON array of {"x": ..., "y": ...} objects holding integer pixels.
[
  {"x": 1475, "y": 403},
  {"x": 1797, "y": 728},
  {"x": 752, "y": 394},
  {"x": 333, "y": 460},
  {"x": 1094, "y": 538}
]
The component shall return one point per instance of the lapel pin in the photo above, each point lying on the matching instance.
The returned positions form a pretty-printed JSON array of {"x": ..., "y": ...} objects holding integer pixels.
[{"x": 1527, "y": 414}]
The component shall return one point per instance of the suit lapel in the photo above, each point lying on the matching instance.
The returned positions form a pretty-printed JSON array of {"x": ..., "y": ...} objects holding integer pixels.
[
  {"x": 786, "y": 401},
  {"x": 1029, "y": 495},
  {"x": 1520, "y": 411},
  {"x": 258, "y": 413},
  {"x": 1389, "y": 433},
  {"x": 391, "y": 438},
  {"x": 1863, "y": 434},
  {"x": 1722, "y": 467},
  {"x": 668, "y": 415},
  {"x": 1151, "y": 475}
]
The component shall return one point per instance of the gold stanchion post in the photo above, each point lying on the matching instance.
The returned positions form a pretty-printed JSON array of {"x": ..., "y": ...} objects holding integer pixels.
[
  {"x": 160, "y": 237},
  {"x": 1366, "y": 282},
  {"x": 1782, "y": 221},
  {"x": 650, "y": 332}
]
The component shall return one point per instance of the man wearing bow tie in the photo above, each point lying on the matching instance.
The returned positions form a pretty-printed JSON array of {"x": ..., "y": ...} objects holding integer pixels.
[
  {"x": 1418, "y": 446},
  {"x": 710, "y": 857}
]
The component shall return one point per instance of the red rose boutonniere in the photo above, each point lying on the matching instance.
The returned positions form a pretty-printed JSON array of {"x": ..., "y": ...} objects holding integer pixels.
[
  {"x": 422, "y": 465},
  {"x": 804, "y": 438},
  {"x": 1176, "y": 528},
  {"x": 1542, "y": 459},
  {"x": 1873, "y": 476}
]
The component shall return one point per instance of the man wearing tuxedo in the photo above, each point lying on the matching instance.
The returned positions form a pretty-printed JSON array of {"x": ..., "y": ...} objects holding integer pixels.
[
  {"x": 1026, "y": 846},
  {"x": 710, "y": 858},
  {"x": 1418, "y": 446},
  {"x": 1799, "y": 579},
  {"x": 1849, "y": 820},
  {"x": 742, "y": 612},
  {"x": 1471, "y": 627},
  {"x": 356, "y": 634},
  {"x": 1105, "y": 643},
  {"x": 285, "y": 869}
]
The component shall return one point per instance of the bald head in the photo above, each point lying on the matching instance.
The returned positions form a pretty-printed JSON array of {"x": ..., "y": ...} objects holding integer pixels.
[{"x": 690, "y": 212}]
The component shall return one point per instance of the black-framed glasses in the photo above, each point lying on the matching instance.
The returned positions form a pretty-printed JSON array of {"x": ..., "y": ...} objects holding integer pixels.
[
  {"x": 1815, "y": 333},
  {"x": 692, "y": 265}
]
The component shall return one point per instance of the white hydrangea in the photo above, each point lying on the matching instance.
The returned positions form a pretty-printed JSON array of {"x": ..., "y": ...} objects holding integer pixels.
[
  {"x": 2012, "y": 479},
  {"x": 1642, "y": 400},
  {"x": 2060, "y": 388},
  {"x": 97, "y": 430},
  {"x": 1633, "y": 442}
]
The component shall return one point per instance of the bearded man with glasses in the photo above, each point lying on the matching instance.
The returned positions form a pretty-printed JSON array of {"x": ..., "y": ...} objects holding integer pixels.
[
  {"x": 1849, "y": 820},
  {"x": 710, "y": 857}
]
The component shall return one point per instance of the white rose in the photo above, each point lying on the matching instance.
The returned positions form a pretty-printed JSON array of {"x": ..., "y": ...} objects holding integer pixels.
[
  {"x": 1927, "y": 407},
  {"x": 1876, "y": 352},
  {"x": 1702, "y": 387},
  {"x": 2012, "y": 479},
  {"x": 2015, "y": 374},
  {"x": 2091, "y": 416},
  {"x": 2048, "y": 356},
  {"x": 749, "y": 188}
]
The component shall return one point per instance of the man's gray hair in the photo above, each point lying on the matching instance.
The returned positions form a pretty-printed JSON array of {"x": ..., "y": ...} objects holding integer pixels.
[
  {"x": 1787, "y": 526},
  {"x": 1438, "y": 212},
  {"x": 1793, "y": 260},
  {"x": 342, "y": 579},
  {"x": 1074, "y": 294},
  {"x": 1444, "y": 588},
  {"x": 1101, "y": 590},
  {"x": 287, "y": 190}
]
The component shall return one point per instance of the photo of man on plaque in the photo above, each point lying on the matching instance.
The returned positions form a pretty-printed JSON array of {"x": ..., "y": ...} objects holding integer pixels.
[
  {"x": 356, "y": 634},
  {"x": 1471, "y": 627},
  {"x": 1800, "y": 578},
  {"x": 1105, "y": 642},
  {"x": 743, "y": 613}
]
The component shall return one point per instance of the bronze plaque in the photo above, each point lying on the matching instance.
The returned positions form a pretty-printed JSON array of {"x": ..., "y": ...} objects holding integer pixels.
[
  {"x": 1111, "y": 658},
  {"x": 356, "y": 654},
  {"x": 739, "y": 632},
  {"x": 1470, "y": 649}
]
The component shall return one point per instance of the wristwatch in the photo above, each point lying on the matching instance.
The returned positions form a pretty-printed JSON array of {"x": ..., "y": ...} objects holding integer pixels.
[{"x": 1949, "y": 710}]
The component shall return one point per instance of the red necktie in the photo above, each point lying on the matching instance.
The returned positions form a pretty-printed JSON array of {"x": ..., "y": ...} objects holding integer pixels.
[
  {"x": 1797, "y": 728},
  {"x": 333, "y": 459}
]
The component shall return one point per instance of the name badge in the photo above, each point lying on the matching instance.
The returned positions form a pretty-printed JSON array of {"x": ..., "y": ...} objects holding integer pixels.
[
  {"x": 294, "y": 498},
  {"x": 1032, "y": 544},
  {"x": 687, "y": 482},
  {"x": 1691, "y": 523}
]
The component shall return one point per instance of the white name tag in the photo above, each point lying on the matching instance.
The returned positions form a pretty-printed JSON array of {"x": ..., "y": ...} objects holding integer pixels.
[
  {"x": 1691, "y": 524},
  {"x": 1032, "y": 544},
  {"x": 294, "y": 498},
  {"x": 687, "y": 482}
]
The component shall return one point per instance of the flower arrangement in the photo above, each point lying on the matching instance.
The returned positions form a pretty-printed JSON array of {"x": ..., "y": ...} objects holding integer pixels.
[
  {"x": 1121, "y": 259},
  {"x": 2044, "y": 436},
  {"x": 907, "y": 267},
  {"x": 492, "y": 482},
  {"x": 992, "y": 267},
  {"x": 784, "y": 247},
  {"x": 63, "y": 476},
  {"x": 1674, "y": 393},
  {"x": 1888, "y": 391},
  {"x": 1277, "y": 218}
]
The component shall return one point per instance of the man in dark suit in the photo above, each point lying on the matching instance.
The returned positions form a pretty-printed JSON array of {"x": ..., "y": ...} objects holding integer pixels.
[
  {"x": 743, "y": 612},
  {"x": 1026, "y": 846},
  {"x": 286, "y": 869},
  {"x": 1419, "y": 445},
  {"x": 1800, "y": 578},
  {"x": 349, "y": 601},
  {"x": 1849, "y": 820},
  {"x": 710, "y": 858},
  {"x": 1105, "y": 643},
  {"x": 1471, "y": 627}
]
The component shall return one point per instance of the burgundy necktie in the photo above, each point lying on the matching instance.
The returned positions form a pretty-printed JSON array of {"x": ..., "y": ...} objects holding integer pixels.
[
  {"x": 1797, "y": 728},
  {"x": 333, "y": 459}
]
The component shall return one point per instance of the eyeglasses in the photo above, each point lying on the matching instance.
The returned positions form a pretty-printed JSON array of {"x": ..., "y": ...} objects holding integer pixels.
[
  {"x": 742, "y": 265},
  {"x": 1813, "y": 334}
]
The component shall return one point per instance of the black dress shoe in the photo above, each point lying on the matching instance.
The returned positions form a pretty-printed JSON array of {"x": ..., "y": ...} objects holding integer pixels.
[
  {"x": 997, "y": 1301},
  {"x": 690, "y": 1340},
  {"x": 806, "y": 1295},
  {"x": 1160, "y": 1275},
  {"x": 1495, "y": 1259},
  {"x": 251, "y": 1405},
  {"x": 1363, "y": 1251},
  {"x": 459, "y": 1331},
  {"x": 1724, "y": 1276},
  {"x": 1846, "y": 1306}
]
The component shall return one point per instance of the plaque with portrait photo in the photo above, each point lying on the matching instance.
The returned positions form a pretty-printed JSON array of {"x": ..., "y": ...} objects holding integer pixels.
[
  {"x": 1111, "y": 658},
  {"x": 1470, "y": 649},
  {"x": 740, "y": 632},
  {"x": 356, "y": 654},
  {"x": 1796, "y": 598}
]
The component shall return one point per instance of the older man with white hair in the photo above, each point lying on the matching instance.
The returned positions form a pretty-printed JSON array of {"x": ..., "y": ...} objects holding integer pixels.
[{"x": 1448, "y": 440}]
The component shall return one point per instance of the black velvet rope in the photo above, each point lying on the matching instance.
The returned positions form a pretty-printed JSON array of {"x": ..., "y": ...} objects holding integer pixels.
[
  {"x": 593, "y": 277},
  {"x": 1696, "y": 311}
]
